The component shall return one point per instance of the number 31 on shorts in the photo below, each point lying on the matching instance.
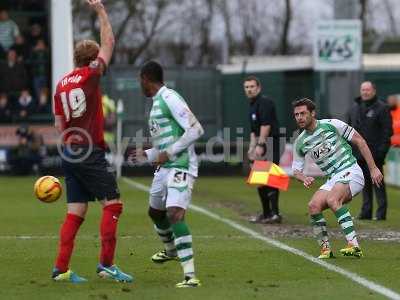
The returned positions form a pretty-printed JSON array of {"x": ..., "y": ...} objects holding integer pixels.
[{"x": 178, "y": 180}]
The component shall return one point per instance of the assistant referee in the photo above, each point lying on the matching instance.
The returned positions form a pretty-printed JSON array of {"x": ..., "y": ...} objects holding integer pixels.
[{"x": 264, "y": 145}]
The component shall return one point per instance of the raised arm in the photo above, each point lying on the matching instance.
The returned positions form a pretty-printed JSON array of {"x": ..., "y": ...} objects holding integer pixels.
[{"x": 107, "y": 40}]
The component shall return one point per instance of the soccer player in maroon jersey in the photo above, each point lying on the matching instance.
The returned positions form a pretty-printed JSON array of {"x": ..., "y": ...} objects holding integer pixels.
[{"x": 79, "y": 118}]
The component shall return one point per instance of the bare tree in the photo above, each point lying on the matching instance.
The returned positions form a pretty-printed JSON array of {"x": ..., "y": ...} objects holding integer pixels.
[
  {"x": 205, "y": 55},
  {"x": 193, "y": 33},
  {"x": 363, "y": 14},
  {"x": 178, "y": 51},
  {"x": 284, "y": 43},
  {"x": 206, "y": 32},
  {"x": 391, "y": 18},
  {"x": 223, "y": 7},
  {"x": 259, "y": 24},
  {"x": 136, "y": 23},
  {"x": 149, "y": 27},
  {"x": 250, "y": 30}
]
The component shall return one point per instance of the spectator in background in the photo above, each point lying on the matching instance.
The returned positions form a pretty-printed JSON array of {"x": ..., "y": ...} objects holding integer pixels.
[
  {"x": 21, "y": 48},
  {"x": 13, "y": 74},
  {"x": 9, "y": 30},
  {"x": 26, "y": 156},
  {"x": 5, "y": 109},
  {"x": 35, "y": 33},
  {"x": 43, "y": 105},
  {"x": 371, "y": 118},
  {"x": 393, "y": 102},
  {"x": 24, "y": 106},
  {"x": 39, "y": 61}
]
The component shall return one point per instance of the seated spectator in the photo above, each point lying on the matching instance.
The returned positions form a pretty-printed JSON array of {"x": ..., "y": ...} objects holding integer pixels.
[
  {"x": 43, "y": 106},
  {"x": 24, "y": 106},
  {"x": 21, "y": 48},
  {"x": 13, "y": 74},
  {"x": 8, "y": 30},
  {"x": 39, "y": 61},
  {"x": 26, "y": 155},
  {"x": 393, "y": 102},
  {"x": 35, "y": 33},
  {"x": 5, "y": 109}
]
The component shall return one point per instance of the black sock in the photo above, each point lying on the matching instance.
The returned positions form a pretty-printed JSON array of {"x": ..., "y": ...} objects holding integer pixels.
[
  {"x": 263, "y": 193},
  {"x": 273, "y": 196}
]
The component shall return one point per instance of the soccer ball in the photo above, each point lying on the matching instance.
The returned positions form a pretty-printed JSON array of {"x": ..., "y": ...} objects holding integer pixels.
[{"x": 47, "y": 189}]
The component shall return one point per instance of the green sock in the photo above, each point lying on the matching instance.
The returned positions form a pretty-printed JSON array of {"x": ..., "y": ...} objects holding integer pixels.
[
  {"x": 164, "y": 231},
  {"x": 318, "y": 223},
  {"x": 346, "y": 222},
  {"x": 183, "y": 244}
]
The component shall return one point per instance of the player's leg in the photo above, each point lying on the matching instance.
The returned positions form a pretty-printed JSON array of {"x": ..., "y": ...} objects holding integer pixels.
[
  {"x": 158, "y": 214},
  {"x": 73, "y": 220},
  {"x": 179, "y": 193},
  {"x": 183, "y": 244},
  {"x": 99, "y": 179},
  {"x": 338, "y": 196},
  {"x": 112, "y": 210},
  {"x": 316, "y": 206},
  {"x": 164, "y": 230},
  {"x": 77, "y": 197}
]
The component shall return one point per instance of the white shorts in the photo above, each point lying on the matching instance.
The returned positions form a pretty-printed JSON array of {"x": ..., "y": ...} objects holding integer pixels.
[
  {"x": 352, "y": 175},
  {"x": 171, "y": 187}
]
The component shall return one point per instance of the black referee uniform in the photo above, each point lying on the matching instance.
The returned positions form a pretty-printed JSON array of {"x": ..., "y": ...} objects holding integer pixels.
[{"x": 262, "y": 112}]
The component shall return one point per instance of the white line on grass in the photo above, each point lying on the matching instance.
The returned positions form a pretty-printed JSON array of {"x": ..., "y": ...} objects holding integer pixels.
[
  {"x": 352, "y": 276},
  {"x": 123, "y": 237}
]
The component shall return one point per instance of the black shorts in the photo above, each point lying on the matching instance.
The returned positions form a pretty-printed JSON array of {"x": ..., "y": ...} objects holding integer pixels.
[{"x": 89, "y": 178}]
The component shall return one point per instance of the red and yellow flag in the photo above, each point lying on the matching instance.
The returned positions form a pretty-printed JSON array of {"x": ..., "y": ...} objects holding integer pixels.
[{"x": 268, "y": 173}]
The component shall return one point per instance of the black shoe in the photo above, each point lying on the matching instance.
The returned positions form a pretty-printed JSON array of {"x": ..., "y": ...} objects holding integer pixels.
[
  {"x": 275, "y": 219},
  {"x": 257, "y": 219}
]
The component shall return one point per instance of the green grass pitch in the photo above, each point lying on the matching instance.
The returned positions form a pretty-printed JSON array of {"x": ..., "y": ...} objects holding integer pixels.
[{"x": 230, "y": 264}]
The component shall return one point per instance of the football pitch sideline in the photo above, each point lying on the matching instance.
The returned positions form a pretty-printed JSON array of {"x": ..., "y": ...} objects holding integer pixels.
[{"x": 231, "y": 262}]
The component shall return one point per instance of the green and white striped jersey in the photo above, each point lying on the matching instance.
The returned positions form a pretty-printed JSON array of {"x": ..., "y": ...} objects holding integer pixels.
[
  {"x": 170, "y": 116},
  {"x": 327, "y": 146}
]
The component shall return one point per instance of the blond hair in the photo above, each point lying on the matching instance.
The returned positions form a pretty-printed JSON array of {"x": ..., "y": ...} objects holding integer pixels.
[{"x": 85, "y": 52}]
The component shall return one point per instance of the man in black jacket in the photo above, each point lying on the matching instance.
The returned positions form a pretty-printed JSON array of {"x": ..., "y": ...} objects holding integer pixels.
[
  {"x": 371, "y": 118},
  {"x": 264, "y": 145}
]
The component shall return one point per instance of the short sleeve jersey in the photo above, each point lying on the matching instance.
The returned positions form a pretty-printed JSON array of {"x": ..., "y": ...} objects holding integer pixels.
[
  {"x": 262, "y": 112},
  {"x": 78, "y": 100},
  {"x": 327, "y": 146}
]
